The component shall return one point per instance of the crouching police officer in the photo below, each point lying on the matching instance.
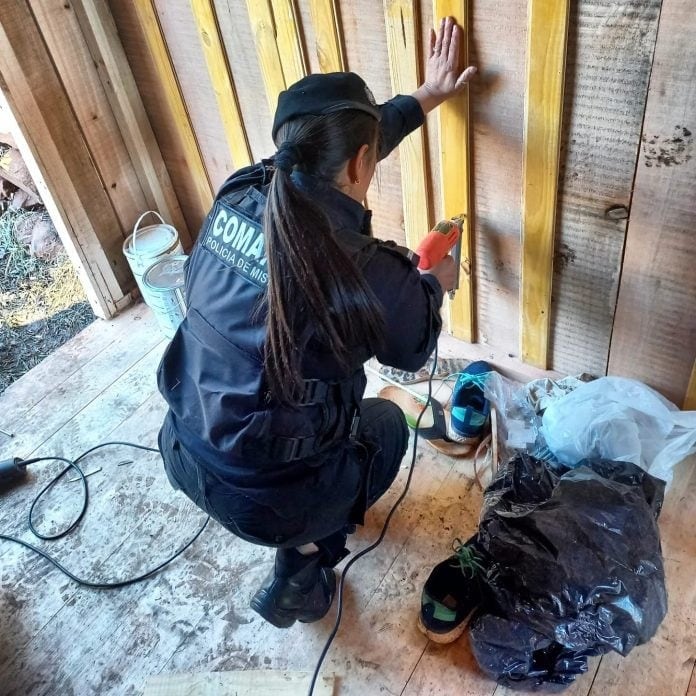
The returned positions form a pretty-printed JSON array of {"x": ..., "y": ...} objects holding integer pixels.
[{"x": 288, "y": 295}]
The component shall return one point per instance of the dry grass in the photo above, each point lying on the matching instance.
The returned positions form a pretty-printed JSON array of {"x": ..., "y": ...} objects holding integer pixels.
[{"x": 42, "y": 303}]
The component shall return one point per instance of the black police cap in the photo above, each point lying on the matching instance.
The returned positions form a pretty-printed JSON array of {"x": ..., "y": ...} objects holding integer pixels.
[{"x": 316, "y": 95}]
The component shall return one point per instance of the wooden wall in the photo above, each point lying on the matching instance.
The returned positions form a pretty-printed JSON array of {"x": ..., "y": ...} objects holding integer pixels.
[
  {"x": 618, "y": 261},
  {"x": 85, "y": 135}
]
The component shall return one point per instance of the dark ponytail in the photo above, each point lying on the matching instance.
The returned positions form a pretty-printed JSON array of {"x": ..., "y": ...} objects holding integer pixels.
[{"x": 311, "y": 279}]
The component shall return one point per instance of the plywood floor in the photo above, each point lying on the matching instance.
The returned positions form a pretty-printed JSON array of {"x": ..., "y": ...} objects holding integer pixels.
[{"x": 57, "y": 638}]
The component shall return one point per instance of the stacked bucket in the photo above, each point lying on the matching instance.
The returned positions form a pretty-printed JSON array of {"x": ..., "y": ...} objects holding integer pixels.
[{"x": 156, "y": 258}]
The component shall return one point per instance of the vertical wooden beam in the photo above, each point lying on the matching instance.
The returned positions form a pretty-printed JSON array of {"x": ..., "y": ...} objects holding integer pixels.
[
  {"x": 101, "y": 35},
  {"x": 74, "y": 235},
  {"x": 262, "y": 26},
  {"x": 222, "y": 81},
  {"x": 546, "y": 50},
  {"x": 327, "y": 31},
  {"x": 690, "y": 398},
  {"x": 60, "y": 162},
  {"x": 287, "y": 25},
  {"x": 275, "y": 29},
  {"x": 402, "y": 30},
  {"x": 147, "y": 17},
  {"x": 79, "y": 75},
  {"x": 453, "y": 120}
]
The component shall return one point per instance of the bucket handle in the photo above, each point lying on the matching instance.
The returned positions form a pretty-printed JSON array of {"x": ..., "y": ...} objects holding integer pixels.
[{"x": 140, "y": 219}]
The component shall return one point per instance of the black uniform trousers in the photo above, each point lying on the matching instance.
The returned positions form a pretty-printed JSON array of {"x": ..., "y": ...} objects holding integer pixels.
[{"x": 321, "y": 512}]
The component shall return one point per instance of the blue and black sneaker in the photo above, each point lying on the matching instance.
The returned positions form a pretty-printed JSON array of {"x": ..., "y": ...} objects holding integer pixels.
[
  {"x": 452, "y": 592},
  {"x": 470, "y": 410}
]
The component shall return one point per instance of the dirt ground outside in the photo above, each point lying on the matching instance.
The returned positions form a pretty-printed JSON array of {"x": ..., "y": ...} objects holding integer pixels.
[{"x": 42, "y": 304}]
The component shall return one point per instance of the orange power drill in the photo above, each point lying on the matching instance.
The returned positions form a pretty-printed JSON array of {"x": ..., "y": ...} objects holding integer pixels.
[{"x": 438, "y": 243}]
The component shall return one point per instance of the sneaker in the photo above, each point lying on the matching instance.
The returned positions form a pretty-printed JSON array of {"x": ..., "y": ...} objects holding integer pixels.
[
  {"x": 298, "y": 588},
  {"x": 451, "y": 593},
  {"x": 470, "y": 410}
]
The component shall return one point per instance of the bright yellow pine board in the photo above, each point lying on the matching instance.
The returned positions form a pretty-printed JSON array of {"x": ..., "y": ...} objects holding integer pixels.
[
  {"x": 222, "y": 81},
  {"x": 455, "y": 172},
  {"x": 292, "y": 58},
  {"x": 690, "y": 398},
  {"x": 274, "y": 25},
  {"x": 402, "y": 35},
  {"x": 546, "y": 49},
  {"x": 147, "y": 17},
  {"x": 327, "y": 31}
]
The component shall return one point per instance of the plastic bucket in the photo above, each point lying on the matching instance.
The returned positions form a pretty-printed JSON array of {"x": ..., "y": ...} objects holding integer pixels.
[
  {"x": 164, "y": 281},
  {"x": 148, "y": 244}
]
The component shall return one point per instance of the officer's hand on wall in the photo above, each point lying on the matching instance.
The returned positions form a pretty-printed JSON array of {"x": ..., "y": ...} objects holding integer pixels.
[{"x": 442, "y": 77}]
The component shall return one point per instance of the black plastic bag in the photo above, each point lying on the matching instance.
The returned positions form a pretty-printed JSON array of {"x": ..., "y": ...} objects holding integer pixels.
[{"x": 574, "y": 569}]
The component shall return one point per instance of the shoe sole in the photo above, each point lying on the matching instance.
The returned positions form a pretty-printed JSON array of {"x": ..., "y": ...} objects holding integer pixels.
[
  {"x": 462, "y": 439},
  {"x": 444, "y": 638}
]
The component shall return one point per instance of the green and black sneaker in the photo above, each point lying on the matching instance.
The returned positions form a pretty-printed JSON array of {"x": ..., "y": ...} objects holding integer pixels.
[{"x": 452, "y": 592}]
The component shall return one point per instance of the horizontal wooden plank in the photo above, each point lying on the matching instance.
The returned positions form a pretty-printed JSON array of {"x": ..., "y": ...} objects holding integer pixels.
[
  {"x": 51, "y": 413},
  {"x": 60, "y": 365},
  {"x": 654, "y": 337}
]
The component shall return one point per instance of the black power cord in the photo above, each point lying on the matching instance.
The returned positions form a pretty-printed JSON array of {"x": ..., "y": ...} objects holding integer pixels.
[
  {"x": 375, "y": 544},
  {"x": 72, "y": 464}
]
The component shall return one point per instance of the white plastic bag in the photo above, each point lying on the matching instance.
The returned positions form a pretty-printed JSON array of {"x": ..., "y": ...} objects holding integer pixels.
[{"x": 623, "y": 420}]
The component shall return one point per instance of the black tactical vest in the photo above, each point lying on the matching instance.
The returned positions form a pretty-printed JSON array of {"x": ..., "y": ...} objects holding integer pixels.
[{"x": 212, "y": 373}]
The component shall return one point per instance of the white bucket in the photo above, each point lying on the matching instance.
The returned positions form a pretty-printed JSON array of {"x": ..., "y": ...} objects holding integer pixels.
[
  {"x": 164, "y": 281},
  {"x": 146, "y": 245}
]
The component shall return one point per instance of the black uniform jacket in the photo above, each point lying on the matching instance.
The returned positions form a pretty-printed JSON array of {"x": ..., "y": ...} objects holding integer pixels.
[{"x": 212, "y": 372}]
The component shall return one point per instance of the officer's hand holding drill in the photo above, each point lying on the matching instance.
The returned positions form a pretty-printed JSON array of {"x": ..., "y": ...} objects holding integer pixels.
[{"x": 446, "y": 273}]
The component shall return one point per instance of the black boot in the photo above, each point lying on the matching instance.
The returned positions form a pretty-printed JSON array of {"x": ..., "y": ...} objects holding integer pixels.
[{"x": 298, "y": 588}]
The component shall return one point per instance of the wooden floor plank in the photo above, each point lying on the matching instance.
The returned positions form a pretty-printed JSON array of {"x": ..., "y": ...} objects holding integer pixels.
[
  {"x": 72, "y": 395},
  {"x": 448, "y": 669},
  {"x": 195, "y": 616},
  {"x": 379, "y": 647},
  {"x": 241, "y": 683},
  {"x": 53, "y": 370},
  {"x": 116, "y": 503},
  {"x": 88, "y": 428},
  {"x": 692, "y": 684}
]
